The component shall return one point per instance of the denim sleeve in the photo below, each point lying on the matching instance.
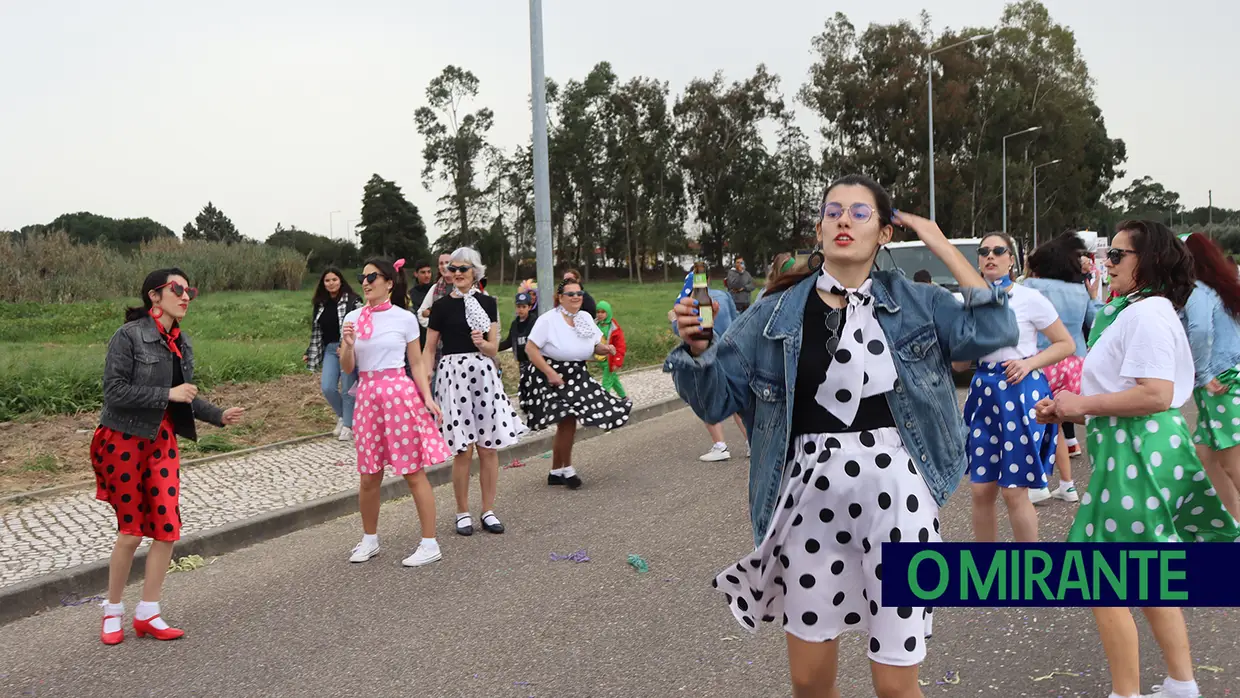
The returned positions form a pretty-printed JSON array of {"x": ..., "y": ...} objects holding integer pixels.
[
  {"x": 1199, "y": 324},
  {"x": 984, "y": 323},
  {"x": 715, "y": 385},
  {"x": 118, "y": 386},
  {"x": 207, "y": 412}
]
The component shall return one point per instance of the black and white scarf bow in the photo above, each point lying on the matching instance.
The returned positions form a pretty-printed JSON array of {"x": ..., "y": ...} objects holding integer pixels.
[
  {"x": 861, "y": 365},
  {"x": 475, "y": 316},
  {"x": 582, "y": 324}
]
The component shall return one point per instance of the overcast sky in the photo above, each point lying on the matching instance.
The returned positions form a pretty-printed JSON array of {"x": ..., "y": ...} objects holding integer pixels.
[{"x": 280, "y": 110}]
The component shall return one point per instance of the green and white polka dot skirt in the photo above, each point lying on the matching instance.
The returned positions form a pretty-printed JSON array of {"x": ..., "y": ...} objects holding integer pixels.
[
  {"x": 1218, "y": 416},
  {"x": 1148, "y": 486}
]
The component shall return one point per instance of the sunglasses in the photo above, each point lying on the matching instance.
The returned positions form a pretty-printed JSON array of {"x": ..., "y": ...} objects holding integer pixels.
[
  {"x": 998, "y": 251},
  {"x": 858, "y": 213},
  {"x": 572, "y": 294},
  {"x": 368, "y": 278},
  {"x": 834, "y": 322},
  {"x": 1116, "y": 255},
  {"x": 452, "y": 268},
  {"x": 178, "y": 290}
]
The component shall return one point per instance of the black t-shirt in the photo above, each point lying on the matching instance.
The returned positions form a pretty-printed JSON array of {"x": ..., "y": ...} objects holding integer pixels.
[
  {"x": 329, "y": 324},
  {"x": 809, "y": 417},
  {"x": 448, "y": 318},
  {"x": 182, "y": 413}
]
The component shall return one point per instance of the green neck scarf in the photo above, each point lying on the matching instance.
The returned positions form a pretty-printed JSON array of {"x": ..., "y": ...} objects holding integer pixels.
[{"x": 1111, "y": 311}]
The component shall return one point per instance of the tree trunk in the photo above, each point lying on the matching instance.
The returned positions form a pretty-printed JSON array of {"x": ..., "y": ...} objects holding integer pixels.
[{"x": 628, "y": 237}]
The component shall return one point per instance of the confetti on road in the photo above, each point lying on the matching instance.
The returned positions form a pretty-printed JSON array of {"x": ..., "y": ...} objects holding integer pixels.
[
  {"x": 638, "y": 564},
  {"x": 1053, "y": 674},
  {"x": 74, "y": 600},
  {"x": 579, "y": 556},
  {"x": 1211, "y": 669},
  {"x": 187, "y": 564},
  {"x": 516, "y": 463}
]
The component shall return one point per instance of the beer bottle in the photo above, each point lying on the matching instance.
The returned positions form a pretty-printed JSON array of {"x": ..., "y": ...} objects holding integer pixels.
[{"x": 701, "y": 294}]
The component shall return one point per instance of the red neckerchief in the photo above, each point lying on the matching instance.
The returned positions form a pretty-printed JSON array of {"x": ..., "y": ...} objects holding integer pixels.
[{"x": 169, "y": 336}]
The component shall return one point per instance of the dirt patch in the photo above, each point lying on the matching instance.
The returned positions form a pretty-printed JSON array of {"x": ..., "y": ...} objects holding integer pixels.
[{"x": 52, "y": 451}]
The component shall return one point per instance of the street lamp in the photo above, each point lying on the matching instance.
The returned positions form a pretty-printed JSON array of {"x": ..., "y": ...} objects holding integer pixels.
[
  {"x": 1031, "y": 129},
  {"x": 331, "y": 219},
  {"x": 542, "y": 184},
  {"x": 930, "y": 103},
  {"x": 1035, "y": 197}
]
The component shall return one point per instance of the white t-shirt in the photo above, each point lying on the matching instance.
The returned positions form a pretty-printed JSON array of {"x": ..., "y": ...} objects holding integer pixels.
[
  {"x": 395, "y": 328},
  {"x": 1034, "y": 313},
  {"x": 1145, "y": 341},
  {"x": 558, "y": 340}
]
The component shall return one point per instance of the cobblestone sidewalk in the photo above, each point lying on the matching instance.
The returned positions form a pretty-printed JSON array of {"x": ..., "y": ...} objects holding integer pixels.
[{"x": 75, "y": 529}]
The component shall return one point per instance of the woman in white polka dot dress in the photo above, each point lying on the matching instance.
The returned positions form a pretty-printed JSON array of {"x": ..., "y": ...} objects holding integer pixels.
[
  {"x": 1009, "y": 452},
  {"x": 477, "y": 412},
  {"x": 1148, "y": 485},
  {"x": 842, "y": 378}
]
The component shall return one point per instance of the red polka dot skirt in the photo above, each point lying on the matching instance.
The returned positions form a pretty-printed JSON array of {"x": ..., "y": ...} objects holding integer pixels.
[{"x": 141, "y": 479}]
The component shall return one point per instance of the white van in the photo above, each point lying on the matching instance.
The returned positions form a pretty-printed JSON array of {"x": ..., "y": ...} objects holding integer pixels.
[{"x": 911, "y": 257}]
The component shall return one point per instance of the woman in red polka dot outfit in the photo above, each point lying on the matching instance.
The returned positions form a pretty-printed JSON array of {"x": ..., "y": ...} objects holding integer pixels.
[{"x": 149, "y": 400}]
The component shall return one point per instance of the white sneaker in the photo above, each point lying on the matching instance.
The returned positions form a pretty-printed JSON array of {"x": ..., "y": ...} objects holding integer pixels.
[
  {"x": 1068, "y": 495},
  {"x": 715, "y": 454},
  {"x": 339, "y": 426},
  {"x": 748, "y": 451},
  {"x": 363, "y": 552},
  {"x": 422, "y": 557},
  {"x": 346, "y": 434},
  {"x": 1039, "y": 495}
]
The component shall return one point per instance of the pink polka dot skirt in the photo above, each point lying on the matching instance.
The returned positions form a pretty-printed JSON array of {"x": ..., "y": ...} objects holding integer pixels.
[
  {"x": 392, "y": 427},
  {"x": 1065, "y": 375}
]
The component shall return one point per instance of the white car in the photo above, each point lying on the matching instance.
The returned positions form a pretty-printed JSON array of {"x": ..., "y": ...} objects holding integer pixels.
[{"x": 912, "y": 257}]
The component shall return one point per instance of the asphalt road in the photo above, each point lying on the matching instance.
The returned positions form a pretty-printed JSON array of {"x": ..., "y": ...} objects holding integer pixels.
[{"x": 496, "y": 617}]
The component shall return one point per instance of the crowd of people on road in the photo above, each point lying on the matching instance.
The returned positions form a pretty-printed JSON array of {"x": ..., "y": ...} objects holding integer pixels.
[{"x": 840, "y": 376}]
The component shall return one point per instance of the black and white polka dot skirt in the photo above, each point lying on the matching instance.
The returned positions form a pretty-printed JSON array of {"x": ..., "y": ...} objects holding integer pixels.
[
  {"x": 475, "y": 408},
  {"x": 581, "y": 396},
  {"x": 819, "y": 570}
]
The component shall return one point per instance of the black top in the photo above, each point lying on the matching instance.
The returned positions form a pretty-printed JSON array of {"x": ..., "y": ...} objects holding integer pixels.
[
  {"x": 809, "y": 417},
  {"x": 417, "y": 294},
  {"x": 588, "y": 305},
  {"x": 329, "y": 324},
  {"x": 448, "y": 317},
  {"x": 518, "y": 334},
  {"x": 181, "y": 412}
]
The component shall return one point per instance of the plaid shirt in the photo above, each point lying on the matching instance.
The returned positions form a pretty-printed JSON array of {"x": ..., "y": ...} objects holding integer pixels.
[{"x": 314, "y": 353}]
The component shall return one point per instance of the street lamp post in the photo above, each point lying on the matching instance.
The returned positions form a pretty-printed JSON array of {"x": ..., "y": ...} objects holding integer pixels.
[
  {"x": 1031, "y": 129},
  {"x": 1035, "y": 197},
  {"x": 930, "y": 104},
  {"x": 331, "y": 227},
  {"x": 542, "y": 185}
]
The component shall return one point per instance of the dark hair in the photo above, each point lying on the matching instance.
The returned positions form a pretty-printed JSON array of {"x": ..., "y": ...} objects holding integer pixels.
[
  {"x": 883, "y": 207},
  {"x": 574, "y": 272},
  {"x": 1215, "y": 270},
  {"x": 321, "y": 294},
  {"x": 154, "y": 280},
  {"x": 559, "y": 288},
  {"x": 1164, "y": 264},
  {"x": 423, "y": 264},
  {"x": 1059, "y": 258},
  {"x": 400, "y": 289},
  {"x": 922, "y": 276}
]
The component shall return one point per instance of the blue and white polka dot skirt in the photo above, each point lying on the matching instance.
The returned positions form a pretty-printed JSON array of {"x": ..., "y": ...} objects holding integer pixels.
[{"x": 1006, "y": 444}]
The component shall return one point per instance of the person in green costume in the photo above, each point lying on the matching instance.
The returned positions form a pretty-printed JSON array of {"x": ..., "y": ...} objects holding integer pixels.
[
  {"x": 615, "y": 337},
  {"x": 1148, "y": 485}
]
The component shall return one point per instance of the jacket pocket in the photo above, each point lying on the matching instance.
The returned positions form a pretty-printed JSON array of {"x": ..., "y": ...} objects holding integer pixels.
[
  {"x": 769, "y": 403},
  {"x": 145, "y": 369},
  {"x": 921, "y": 358}
]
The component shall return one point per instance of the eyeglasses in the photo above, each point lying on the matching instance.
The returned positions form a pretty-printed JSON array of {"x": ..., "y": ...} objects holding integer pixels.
[
  {"x": 858, "y": 212},
  {"x": 998, "y": 251},
  {"x": 368, "y": 278},
  {"x": 1115, "y": 255},
  {"x": 572, "y": 294},
  {"x": 452, "y": 268},
  {"x": 178, "y": 290}
]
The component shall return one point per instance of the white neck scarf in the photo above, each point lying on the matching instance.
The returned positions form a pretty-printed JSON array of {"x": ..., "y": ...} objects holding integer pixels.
[
  {"x": 475, "y": 316},
  {"x": 862, "y": 364},
  {"x": 582, "y": 325}
]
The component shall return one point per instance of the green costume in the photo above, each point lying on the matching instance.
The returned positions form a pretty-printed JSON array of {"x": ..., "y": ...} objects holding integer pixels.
[
  {"x": 613, "y": 335},
  {"x": 1148, "y": 484},
  {"x": 1218, "y": 416}
]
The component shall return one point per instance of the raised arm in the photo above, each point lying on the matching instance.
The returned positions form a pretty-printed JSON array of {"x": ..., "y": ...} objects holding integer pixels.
[{"x": 713, "y": 378}]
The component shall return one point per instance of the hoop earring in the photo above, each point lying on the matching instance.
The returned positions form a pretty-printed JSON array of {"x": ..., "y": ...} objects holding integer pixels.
[
  {"x": 816, "y": 259},
  {"x": 157, "y": 312}
]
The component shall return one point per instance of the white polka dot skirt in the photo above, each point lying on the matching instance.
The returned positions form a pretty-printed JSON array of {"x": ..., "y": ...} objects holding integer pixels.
[
  {"x": 475, "y": 408},
  {"x": 819, "y": 570},
  {"x": 1006, "y": 444},
  {"x": 392, "y": 427},
  {"x": 581, "y": 396}
]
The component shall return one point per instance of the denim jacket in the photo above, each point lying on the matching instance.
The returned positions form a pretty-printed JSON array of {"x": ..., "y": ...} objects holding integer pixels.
[
  {"x": 137, "y": 376},
  {"x": 1212, "y": 333},
  {"x": 752, "y": 370},
  {"x": 1076, "y": 309}
]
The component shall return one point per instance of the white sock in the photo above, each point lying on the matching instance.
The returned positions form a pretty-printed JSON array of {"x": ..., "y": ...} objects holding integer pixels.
[
  {"x": 1172, "y": 688},
  {"x": 557, "y": 471},
  {"x": 1066, "y": 484},
  {"x": 489, "y": 513},
  {"x": 147, "y": 610},
  {"x": 568, "y": 471},
  {"x": 1116, "y": 695},
  {"x": 430, "y": 544},
  {"x": 720, "y": 446},
  {"x": 1072, "y": 442},
  {"x": 464, "y": 519},
  {"x": 369, "y": 539},
  {"x": 112, "y": 625}
]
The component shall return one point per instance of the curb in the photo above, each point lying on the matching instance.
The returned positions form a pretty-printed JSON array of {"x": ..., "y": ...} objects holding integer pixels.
[
  {"x": 39, "y": 594},
  {"x": 241, "y": 452}
]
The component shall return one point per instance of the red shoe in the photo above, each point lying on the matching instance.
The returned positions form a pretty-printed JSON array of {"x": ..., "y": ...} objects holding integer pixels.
[
  {"x": 144, "y": 628},
  {"x": 115, "y": 638},
  {"x": 1074, "y": 451}
]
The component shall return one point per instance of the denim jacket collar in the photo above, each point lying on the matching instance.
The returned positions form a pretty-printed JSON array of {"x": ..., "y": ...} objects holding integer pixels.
[{"x": 789, "y": 313}]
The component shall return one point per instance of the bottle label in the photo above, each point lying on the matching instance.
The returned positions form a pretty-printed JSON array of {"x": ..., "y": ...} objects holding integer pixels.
[
  {"x": 707, "y": 314},
  {"x": 699, "y": 280}
]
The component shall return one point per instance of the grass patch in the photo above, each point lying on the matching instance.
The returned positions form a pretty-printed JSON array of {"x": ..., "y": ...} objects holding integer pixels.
[
  {"x": 42, "y": 463},
  {"x": 51, "y": 355}
]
